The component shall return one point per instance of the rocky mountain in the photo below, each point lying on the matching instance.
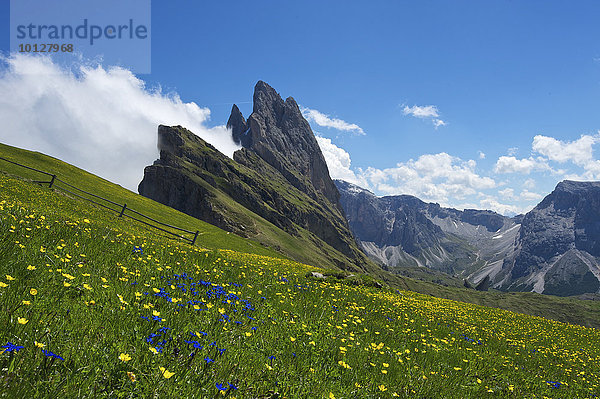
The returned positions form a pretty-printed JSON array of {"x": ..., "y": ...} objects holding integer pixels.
[
  {"x": 277, "y": 132},
  {"x": 558, "y": 247},
  {"x": 553, "y": 249},
  {"x": 402, "y": 230},
  {"x": 276, "y": 189}
]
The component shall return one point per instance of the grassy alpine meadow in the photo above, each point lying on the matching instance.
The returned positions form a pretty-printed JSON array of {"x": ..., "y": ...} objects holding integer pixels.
[{"x": 94, "y": 306}]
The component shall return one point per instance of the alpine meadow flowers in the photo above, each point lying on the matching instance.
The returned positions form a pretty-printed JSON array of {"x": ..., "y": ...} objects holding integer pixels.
[{"x": 170, "y": 320}]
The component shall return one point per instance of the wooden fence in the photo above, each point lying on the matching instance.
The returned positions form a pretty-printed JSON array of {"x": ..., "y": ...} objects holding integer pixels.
[{"x": 122, "y": 210}]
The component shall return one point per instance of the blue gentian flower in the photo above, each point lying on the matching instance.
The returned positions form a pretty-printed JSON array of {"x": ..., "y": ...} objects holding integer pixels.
[
  {"x": 50, "y": 354},
  {"x": 10, "y": 347},
  {"x": 554, "y": 384},
  {"x": 196, "y": 344},
  {"x": 221, "y": 387}
]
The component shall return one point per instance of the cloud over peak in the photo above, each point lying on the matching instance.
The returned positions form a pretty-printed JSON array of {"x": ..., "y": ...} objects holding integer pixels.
[
  {"x": 101, "y": 119},
  {"x": 510, "y": 164},
  {"x": 438, "y": 177},
  {"x": 578, "y": 154},
  {"x": 578, "y": 151},
  {"x": 338, "y": 161}
]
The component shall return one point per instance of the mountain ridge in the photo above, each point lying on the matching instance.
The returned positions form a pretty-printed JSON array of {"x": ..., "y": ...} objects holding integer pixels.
[
  {"x": 553, "y": 249},
  {"x": 277, "y": 181},
  {"x": 559, "y": 243}
]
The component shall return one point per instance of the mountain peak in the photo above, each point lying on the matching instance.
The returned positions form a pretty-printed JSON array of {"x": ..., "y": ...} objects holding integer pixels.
[
  {"x": 263, "y": 87},
  {"x": 560, "y": 241},
  {"x": 266, "y": 100},
  {"x": 238, "y": 127},
  {"x": 573, "y": 186},
  {"x": 278, "y": 133},
  {"x": 568, "y": 193},
  {"x": 351, "y": 188}
]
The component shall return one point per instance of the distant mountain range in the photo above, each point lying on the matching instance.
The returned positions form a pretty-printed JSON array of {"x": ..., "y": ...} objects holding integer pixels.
[
  {"x": 553, "y": 249},
  {"x": 277, "y": 191}
]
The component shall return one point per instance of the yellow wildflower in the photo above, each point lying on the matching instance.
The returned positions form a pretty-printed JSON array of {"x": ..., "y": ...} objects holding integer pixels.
[{"x": 166, "y": 373}]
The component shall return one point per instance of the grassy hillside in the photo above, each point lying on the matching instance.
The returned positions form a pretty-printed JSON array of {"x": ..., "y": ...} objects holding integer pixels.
[
  {"x": 210, "y": 236},
  {"x": 93, "y": 306},
  {"x": 569, "y": 310}
]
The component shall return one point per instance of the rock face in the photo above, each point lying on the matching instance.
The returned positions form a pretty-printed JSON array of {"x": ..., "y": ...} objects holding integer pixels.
[
  {"x": 279, "y": 134},
  {"x": 276, "y": 190},
  {"x": 239, "y": 127},
  {"x": 402, "y": 230},
  {"x": 553, "y": 249},
  {"x": 558, "y": 249}
]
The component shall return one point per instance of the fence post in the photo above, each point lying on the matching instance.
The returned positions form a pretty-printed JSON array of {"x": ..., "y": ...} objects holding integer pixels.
[
  {"x": 195, "y": 236},
  {"x": 52, "y": 181},
  {"x": 123, "y": 210}
]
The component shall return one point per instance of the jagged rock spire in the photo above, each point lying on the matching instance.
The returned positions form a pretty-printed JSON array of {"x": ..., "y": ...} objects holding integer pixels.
[
  {"x": 279, "y": 134},
  {"x": 239, "y": 128}
]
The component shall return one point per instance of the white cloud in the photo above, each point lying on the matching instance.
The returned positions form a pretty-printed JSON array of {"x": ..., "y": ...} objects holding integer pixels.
[
  {"x": 442, "y": 178},
  {"x": 578, "y": 151},
  {"x": 548, "y": 150},
  {"x": 426, "y": 111},
  {"x": 489, "y": 202},
  {"x": 429, "y": 112},
  {"x": 432, "y": 177},
  {"x": 101, "y": 119},
  {"x": 527, "y": 195},
  {"x": 507, "y": 193},
  {"x": 529, "y": 183},
  {"x": 592, "y": 170},
  {"x": 510, "y": 164},
  {"x": 512, "y": 151},
  {"x": 312, "y": 115},
  {"x": 481, "y": 154},
  {"x": 438, "y": 122},
  {"x": 338, "y": 161}
]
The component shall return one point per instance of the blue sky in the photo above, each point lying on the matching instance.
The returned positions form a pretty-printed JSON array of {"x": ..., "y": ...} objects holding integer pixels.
[{"x": 496, "y": 73}]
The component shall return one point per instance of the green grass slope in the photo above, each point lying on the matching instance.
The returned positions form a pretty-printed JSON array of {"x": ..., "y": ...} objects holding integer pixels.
[
  {"x": 94, "y": 306},
  {"x": 210, "y": 236},
  {"x": 568, "y": 310}
]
